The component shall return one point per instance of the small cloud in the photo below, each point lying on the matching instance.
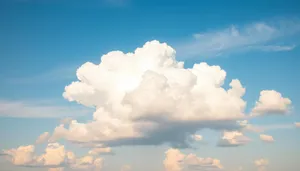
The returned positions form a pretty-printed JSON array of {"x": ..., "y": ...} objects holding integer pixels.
[
  {"x": 233, "y": 139},
  {"x": 261, "y": 164},
  {"x": 297, "y": 124},
  {"x": 271, "y": 102},
  {"x": 43, "y": 138},
  {"x": 266, "y": 138},
  {"x": 197, "y": 137},
  {"x": 100, "y": 150},
  {"x": 177, "y": 161}
]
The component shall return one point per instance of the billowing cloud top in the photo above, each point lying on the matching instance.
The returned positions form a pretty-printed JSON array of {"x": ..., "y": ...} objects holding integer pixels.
[{"x": 143, "y": 95}]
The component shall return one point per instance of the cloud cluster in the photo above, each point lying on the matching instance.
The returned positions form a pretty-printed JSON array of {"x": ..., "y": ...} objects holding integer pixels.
[
  {"x": 177, "y": 161},
  {"x": 148, "y": 97},
  {"x": 266, "y": 138},
  {"x": 232, "y": 139},
  {"x": 55, "y": 157}
]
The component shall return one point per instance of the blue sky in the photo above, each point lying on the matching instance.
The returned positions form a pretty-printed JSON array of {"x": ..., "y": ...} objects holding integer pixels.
[{"x": 44, "y": 42}]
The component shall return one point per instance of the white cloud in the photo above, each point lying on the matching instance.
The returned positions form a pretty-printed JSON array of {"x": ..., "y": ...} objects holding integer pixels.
[
  {"x": 197, "y": 137},
  {"x": 261, "y": 164},
  {"x": 254, "y": 36},
  {"x": 266, "y": 138},
  {"x": 271, "y": 102},
  {"x": 177, "y": 161},
  {"x": 277, "y": 48},
  {"x": 233, "y": 138},
  {"x": 43, "y": 138},
  {"x": 147, "y": 97},
  {"x": 100, "y": 150},
  {"x": 38, "y": 109},
  {"x": 23, "y": 155},
  {"x": 126, "y": 168},
  {"x": 55, "y": 157}
]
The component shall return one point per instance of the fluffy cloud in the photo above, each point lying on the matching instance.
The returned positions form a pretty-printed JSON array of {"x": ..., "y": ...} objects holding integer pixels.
[
  {"x": 297, "y": 124},
  {"x": 233, "y": 138},
  {"x": 43, "y": 138},
  {"x": 177, "y": 161},
  {"x": 55, "y": 158},
  {"x": 271, "y": 102},
  {"x": 54, "y": 155},
  {"x": 261, "y": 164},
  {"x": 23, "y": 155},
  {"x": 147, "y": 97},
  {"x": 266, "y": 138}
]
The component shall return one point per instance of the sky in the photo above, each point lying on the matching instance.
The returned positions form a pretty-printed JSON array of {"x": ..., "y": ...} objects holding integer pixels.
[{"x": 131, "y": 85}]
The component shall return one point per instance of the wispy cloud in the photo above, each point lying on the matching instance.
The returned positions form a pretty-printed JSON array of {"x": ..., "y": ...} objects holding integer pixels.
[
  {"x": 264, "y": 128},
  {"x": 261, "y": 36},
  {"x": 55, "y": 74},
  {"x": 276, "y": 48},
  {"x": 39, "y": 109}
]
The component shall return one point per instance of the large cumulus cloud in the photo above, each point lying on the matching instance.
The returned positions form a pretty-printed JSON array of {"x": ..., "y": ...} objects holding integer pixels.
[{"x": 148, "y": 97}]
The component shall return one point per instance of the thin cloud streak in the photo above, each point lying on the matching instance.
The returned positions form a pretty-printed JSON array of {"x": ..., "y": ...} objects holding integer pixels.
[
  {"x": 39, "y": 109},
  {"x": 56, "y": 74},
  {"x": 259, "y": 36}
]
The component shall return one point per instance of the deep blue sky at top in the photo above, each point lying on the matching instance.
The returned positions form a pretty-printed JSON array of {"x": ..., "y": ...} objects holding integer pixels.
[{"x": 39, "y": 35}]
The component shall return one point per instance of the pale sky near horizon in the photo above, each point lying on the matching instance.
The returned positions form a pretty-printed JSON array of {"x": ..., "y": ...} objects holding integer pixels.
[{"x": 119, "y": 85}]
